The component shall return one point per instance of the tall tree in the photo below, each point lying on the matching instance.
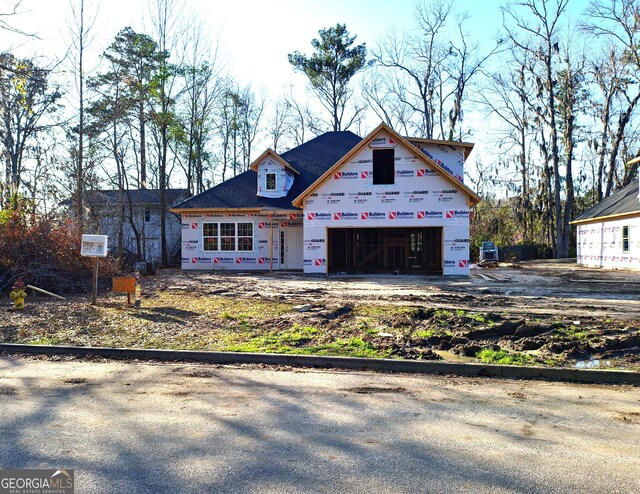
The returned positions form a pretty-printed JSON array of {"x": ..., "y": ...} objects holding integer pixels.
[
  {"x": 136, "y": 58},
  {"x": 25, "y": 100},
  {"x": 165, "y": 20},
  {"x": 80, "y": 29},
  {"x": 110, "y": 116},
  {"x": 533, "y": 27},
  {"x": 331, "y": 68},
  {"x": 203, "y": 87},
  {"x": 570, "y": 103},
  {"x": 617, "y": 23},
  {"x": 508, "y": 96}
]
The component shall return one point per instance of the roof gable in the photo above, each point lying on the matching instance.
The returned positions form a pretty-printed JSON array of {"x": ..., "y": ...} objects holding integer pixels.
[
  {"x": 276, "y": 157},
  {"x": 473, "y": 198}
]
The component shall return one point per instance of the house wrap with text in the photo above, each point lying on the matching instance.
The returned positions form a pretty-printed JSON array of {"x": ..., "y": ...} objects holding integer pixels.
[
  {"x": 608, "y": 234},
  {"x": 338, "y": 203}
]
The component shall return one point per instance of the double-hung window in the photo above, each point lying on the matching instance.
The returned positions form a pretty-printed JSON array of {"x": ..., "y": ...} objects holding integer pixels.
[{"x": 227, "y": 236}]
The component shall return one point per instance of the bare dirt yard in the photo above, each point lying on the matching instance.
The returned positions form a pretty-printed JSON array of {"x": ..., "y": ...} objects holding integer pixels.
[{"x": 534, "y": 313}]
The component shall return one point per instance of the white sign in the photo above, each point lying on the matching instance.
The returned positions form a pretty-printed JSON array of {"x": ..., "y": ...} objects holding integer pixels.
[{"x": 94, "y": 246}]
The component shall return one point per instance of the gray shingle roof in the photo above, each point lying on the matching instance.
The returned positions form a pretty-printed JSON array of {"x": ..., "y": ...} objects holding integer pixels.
[
  {"x": 138, "y": 196},
  {"x": 622, "y": 201},
  {"x": 311, "y": 159}
]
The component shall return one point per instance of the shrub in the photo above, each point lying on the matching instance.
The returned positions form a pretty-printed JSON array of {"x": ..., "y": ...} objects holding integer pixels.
[{"x": 46, "y": 253}]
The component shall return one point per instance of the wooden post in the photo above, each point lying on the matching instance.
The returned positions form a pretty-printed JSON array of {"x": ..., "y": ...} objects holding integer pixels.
[
  {"x": 94, "y": 291},
  {"x": 271, "y": 245}
]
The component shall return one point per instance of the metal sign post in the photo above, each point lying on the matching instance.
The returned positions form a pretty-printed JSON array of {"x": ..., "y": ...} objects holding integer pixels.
[{"x": 94, "y": 246}]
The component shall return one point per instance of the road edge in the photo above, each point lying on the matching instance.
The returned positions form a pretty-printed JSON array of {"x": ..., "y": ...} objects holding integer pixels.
[{"x": 352, "y": 363}]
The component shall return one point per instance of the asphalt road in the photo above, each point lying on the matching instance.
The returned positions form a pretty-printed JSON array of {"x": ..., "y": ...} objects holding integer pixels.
[{"x": 154, "y": 428}]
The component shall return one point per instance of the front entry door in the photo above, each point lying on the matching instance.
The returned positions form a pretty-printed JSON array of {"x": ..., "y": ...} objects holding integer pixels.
[{"x": 291, "y": 248}]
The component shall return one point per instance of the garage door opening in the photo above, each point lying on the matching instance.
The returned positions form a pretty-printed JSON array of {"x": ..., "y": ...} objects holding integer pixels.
[{"x": 385, "y": 250}]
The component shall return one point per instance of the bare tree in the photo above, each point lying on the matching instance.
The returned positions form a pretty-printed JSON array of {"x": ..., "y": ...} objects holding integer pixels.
[
  {"x": 508, "y": 97},
  {"x": 203, "y": 87},
  {"x": 166, "y": 15},
  {"x": 279, "y": 125},
  {"x": 616, "y": 21},
  {"x": 537, "y": 22},
  {"x": 81, "y": 37},
  {"x": 427, "y": 72}
]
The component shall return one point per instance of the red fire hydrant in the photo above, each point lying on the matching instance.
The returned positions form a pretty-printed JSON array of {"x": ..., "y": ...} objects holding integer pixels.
[{"x": 18, "y": 294}]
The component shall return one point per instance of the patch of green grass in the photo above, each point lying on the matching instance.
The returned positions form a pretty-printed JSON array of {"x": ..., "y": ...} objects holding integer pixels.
[
  {"x": 502, "y": 357},
  {"x": 427, "y": 333},
  {"x": 477, "y": 317},
  {"x": 351, "y": 347},
  {"x": 575, "y": 332},
  {"x": 47, "y": 340},
  {"x": 443, "y": 314},
  {"x": 300, "y": 341}
]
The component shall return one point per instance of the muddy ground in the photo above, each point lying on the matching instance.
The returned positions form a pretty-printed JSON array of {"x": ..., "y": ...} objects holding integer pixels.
[{"x": 540, "y": 313}]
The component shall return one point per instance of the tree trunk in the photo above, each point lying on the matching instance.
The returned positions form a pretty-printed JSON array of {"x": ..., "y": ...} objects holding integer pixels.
[
  {"x": 143, "y": 146},
  {"x": 80, "y": 171}
]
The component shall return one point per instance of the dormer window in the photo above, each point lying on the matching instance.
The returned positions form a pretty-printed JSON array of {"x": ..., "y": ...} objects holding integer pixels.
[{"x": 270, "y": 180}]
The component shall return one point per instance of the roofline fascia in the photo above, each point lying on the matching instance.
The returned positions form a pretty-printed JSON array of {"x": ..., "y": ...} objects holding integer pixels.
[
  {"x": 605, "y": 218},
  {"x": 472, "y": 199},
  {"x": 214, "y": 210},
  {"x": 234, "y": 210},
  {"x": 468, "y": 146},
  {"x": 440, "y": 141}
]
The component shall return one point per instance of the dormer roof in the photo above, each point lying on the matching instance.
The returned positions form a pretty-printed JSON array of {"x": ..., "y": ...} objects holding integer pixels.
[{"x": 276, "y": 157}]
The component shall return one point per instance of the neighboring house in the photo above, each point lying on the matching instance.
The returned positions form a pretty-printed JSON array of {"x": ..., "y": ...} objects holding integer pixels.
[
  {"x": 135, "y": 214},
  {"x": 338, "y": 203},
  {"x": 608, "y": 234}
]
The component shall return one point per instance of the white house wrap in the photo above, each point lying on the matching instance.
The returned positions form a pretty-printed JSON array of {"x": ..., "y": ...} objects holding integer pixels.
[
  {"x": 338, "y": 203},
  {"x": 608, "y": 234}
]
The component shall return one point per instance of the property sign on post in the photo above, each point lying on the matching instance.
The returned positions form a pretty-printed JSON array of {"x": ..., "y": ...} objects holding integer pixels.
[{"x": 94, "y": 246}]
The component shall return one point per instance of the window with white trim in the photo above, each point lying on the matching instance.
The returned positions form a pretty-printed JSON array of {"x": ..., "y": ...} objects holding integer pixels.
[
  {"x": 270, "y": 181},
  {"x": 625, "y": 238},
  {"x": 227, "y": 236}
]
